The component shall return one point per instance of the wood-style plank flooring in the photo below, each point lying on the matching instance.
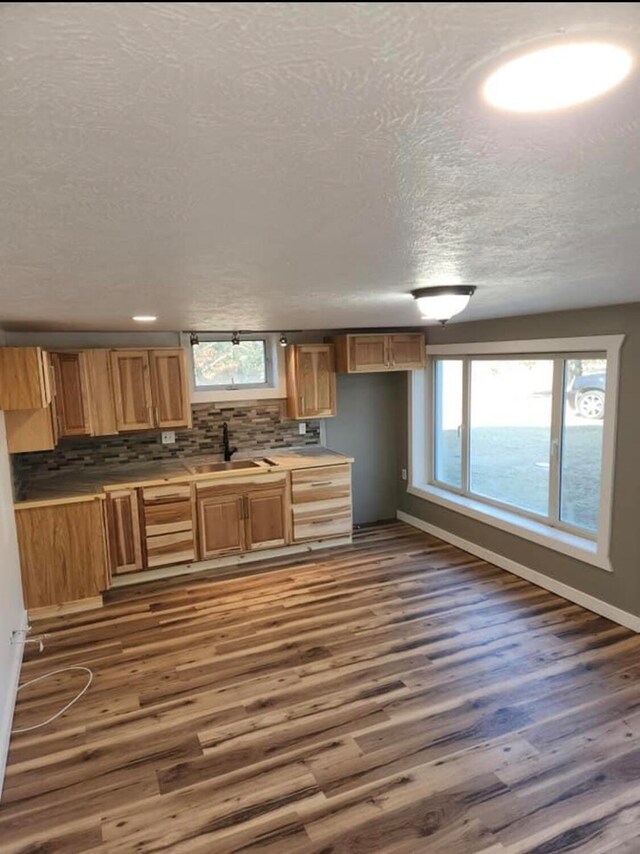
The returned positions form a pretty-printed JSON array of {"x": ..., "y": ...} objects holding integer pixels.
[{"x": 397, "y": 695}]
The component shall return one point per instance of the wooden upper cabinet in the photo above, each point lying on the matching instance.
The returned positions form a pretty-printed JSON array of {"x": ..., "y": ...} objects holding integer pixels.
[
  {"x": 311, "y": 381},
  {"x": 132, "y": 390},
  {"x": 71, "y": 399},
  {"x": 221, "y": 524},
  {"x": 25, "y": 378},
  {"x": 101, "y": 400},
  {"x": 123, "y": 522},
  {"x": 170, "y": 388},
  {"x": 31, "y": 430},
  {"x": 407, "y": 352},
  {"x": 368, "y": 353}
]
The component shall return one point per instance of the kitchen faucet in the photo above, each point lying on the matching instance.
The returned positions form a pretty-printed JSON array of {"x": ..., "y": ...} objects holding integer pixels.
[{"x": 228, "y": 452}]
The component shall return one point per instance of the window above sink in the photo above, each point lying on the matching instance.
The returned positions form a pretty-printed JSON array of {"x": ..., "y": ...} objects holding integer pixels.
[{"x": 222, "y": 371}]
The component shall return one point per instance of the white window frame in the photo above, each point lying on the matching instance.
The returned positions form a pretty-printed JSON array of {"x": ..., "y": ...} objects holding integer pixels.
[
  {"x": 562, "y": 538},
  {"x": 274, "y": 389}
]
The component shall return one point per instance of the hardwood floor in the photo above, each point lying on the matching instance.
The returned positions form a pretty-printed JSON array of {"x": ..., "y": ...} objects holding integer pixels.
[{"x": 397, "y": 695}]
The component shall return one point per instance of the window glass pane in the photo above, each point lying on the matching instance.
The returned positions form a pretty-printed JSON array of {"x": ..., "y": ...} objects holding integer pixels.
[
  {"x": 582, "y": 432},
  {"x": 226, "y": 364},
  {"x": 510, "y": 424},
  {"x": 448, "y": 421}
]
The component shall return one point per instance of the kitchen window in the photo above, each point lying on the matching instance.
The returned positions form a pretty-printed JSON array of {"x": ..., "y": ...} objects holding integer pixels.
[
  {"x": 521, "y": 435},
  {"x": 222, "y": 371}
]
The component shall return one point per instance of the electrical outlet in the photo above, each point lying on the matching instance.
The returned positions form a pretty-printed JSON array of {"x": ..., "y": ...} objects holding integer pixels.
[
  {"x": 168, "y": 437},
  {"x": 302, "y": 428},
  {"x": 404, "y": 474}
]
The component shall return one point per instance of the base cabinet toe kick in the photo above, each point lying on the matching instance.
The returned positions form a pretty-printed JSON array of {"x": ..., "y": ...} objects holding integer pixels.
[{"x": 72, "y": 548}]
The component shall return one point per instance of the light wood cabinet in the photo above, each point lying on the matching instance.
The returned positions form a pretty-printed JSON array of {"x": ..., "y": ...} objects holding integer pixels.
[
  {"x": 311, "y": 381},
  {"x": 168, "y": 524},
  {"x": 151, "y": 389},
  {"x": 31, "y": 430},
  {"x": 132, "y": 390},
  {"x": 242, "y": 514},
  {"x": 321, "y": 502},
  {"x": 369, "y": 353},
  {"x": 265, "y": 518},
  {"x": 123, "y": 520},
  {"x": 170, "y": 389},
  {"x": 25, "y": 378},
  {"x": 71, "y": 394},
  {"x": 221, "y": 524},
  {"x": 100, "y": 397},
  {"x": 62, "y": 551}
]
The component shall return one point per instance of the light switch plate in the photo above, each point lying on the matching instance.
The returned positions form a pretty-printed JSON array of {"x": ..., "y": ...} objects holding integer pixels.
[
  {"x": 302, "y": 428},
  {"x": 404, "y": 474},
  {"x": 168, "y": 437}
]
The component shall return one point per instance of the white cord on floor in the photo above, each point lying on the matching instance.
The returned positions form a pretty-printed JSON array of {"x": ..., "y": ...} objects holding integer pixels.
[{"x": 68, "y": 706}]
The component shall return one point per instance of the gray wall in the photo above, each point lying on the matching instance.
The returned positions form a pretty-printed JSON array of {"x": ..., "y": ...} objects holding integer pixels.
[
  {"x": 366, "y": 427},
  {"x": 622, "y": 587}
]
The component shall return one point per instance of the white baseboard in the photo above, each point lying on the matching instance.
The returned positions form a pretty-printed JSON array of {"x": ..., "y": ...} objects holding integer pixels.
[
  {"x": 591, "y": 603},
  {"x": 6, "y": 714}
]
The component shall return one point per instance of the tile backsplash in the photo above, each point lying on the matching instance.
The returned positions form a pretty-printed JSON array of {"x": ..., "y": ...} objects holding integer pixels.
[{"x": 254, "y": 427}]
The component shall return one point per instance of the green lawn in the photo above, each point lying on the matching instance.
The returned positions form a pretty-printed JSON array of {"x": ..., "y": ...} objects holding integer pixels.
[{"x": 510, "y": 464}]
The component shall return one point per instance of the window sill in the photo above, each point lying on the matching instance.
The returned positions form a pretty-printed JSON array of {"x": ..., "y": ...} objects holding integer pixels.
[{"x": 536, "y": 532}]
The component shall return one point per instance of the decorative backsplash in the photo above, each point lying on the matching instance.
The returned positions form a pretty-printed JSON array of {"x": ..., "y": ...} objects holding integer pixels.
[{"x": 257, "y": 426}]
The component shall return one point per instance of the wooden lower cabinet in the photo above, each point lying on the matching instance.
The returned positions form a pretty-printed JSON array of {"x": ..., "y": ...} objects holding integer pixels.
[
  {"x": 221, "y": 525},
  {"x": 123, "y": 519},
  {"x": 63, "y": 553},
  {"x": 321, "y": 502},
  {"x": 168, "y": 524},
  {"x": 265, "y": 518}
]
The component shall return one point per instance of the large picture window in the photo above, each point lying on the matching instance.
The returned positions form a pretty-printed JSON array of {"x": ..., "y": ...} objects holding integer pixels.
[{"x": 522, "y": 439}]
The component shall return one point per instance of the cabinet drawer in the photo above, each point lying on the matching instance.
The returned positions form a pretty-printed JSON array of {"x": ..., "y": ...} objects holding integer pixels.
[
  {"x": 168, "y": 517},
  {"x": 174, "y": 492},
  {"x": 323, "y": 483},
  {"x": 319, "y": 519},
  {"x": 170, "y": 548}
]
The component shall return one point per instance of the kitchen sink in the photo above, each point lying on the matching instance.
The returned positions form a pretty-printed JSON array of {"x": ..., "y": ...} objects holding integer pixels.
[{"x": 233, "y": 465}]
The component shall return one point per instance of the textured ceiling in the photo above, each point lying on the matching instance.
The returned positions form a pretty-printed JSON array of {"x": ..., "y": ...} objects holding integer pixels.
[{"x": 303, "y": 165}]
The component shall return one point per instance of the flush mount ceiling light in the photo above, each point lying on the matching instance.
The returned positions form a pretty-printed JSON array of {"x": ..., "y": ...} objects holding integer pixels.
[
  {"x": 558, "y": 76},
  {"x": 442, "y": 303},
  {"x": 144, "y": 318}
]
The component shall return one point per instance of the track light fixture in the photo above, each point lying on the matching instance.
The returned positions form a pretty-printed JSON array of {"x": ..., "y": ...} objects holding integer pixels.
[
  {"x": 194, "y": 339},
  {"x": 235, "y": 338},
  {"x": 283, "y": 340}
]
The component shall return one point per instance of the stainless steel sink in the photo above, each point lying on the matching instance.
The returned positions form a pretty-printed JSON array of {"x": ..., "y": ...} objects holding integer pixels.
[{"x": 206, "y": 468}]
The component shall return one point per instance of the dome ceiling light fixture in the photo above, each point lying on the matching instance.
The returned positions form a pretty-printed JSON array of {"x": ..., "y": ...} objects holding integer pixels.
[
  {"x": 443, "y": 302},
  {"x": 556, "y": 77}
]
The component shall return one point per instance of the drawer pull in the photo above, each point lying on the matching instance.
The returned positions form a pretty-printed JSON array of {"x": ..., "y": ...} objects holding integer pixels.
[
  {"x": 319, "y": 521},
  {"x": 322, "y": 483}
]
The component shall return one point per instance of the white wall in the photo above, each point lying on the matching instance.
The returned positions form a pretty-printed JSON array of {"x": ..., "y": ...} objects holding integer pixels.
[{"x": 12, "y": 612}]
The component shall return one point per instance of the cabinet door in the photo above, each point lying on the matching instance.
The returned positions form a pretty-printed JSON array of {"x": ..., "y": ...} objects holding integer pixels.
[
  {"x": 124, "y": 531},
  {"x": 25, "y": 379},
  {"x": 170, "y": 388},
  {"x": 102, "y": 407},
  {"x": 71, "y": 394},
  {"x": 368, "y": 353},
  {"x": 31, "y": 430},
  {"x": 316, "y": 381},
  {"x": 265, "y": 518},
  {"x": 221, "y": 525},
  {"x": 68, "y": 540},
  {"x": 407, "y": 352},
  {"x": 132, "y": 390}
]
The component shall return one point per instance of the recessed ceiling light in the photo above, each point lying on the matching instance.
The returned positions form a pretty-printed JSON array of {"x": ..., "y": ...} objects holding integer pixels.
[
  {"x": 144, "y": 318},
  {"x": 558, "y": 76}
]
